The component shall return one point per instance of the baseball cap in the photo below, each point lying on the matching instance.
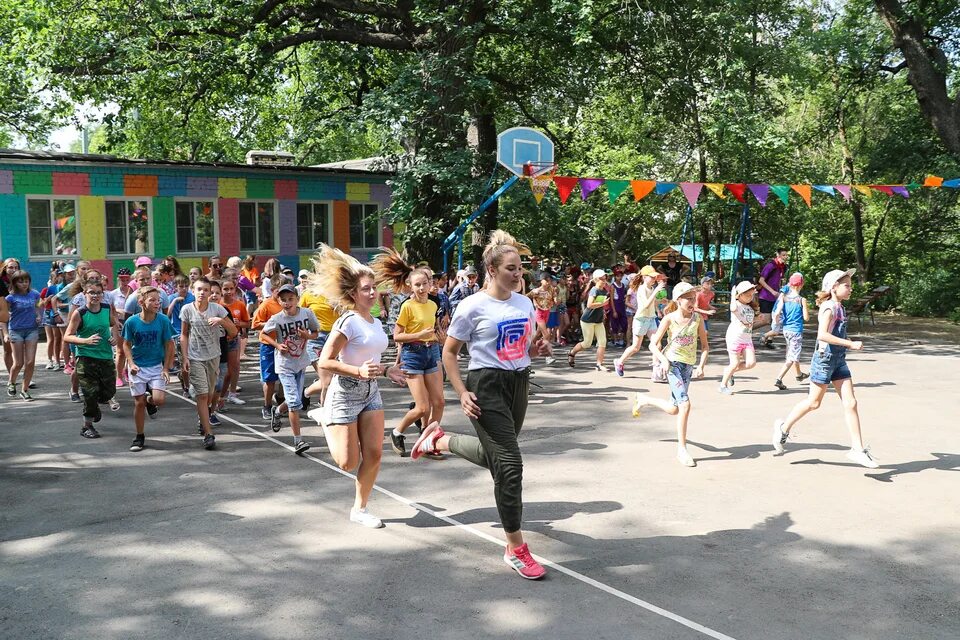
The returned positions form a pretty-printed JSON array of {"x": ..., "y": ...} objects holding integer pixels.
[
  {"x": 682, "y": 289},
  {"x": 796, "y": 280},
  {"x": 647, "y": 270},
  {"x": 584, "y": 265},
  {"x": 144, "y": 261},
  {"x": 743, "y": 287},
  {"x": 303, "y": 272},
  {"x": 833, "y": 277},
  {"x": 469, "y": 270},
  {"x": 69, "y": 268},
  {"x": 284, "y": 269},
  {"x": 287, "y": 287},
  {"x": 705, "y": 279},
  {"x": 599, "y": 273},
  {"x": 123, "y": 271}
]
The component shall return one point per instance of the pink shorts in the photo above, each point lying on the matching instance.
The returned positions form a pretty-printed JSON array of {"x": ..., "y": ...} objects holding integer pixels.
[
  {"x": 741, "y": 345},
  {"x": 542, "y": 315}
]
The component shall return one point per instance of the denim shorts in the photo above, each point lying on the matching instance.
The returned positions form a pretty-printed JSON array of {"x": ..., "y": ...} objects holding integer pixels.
[
  {"x": 51, "y": 318},
  {"x": 292, "y": 389},
  {"x": 644, "y": 326},
  {"x": 314, "y": 347},
  {"x": 221, "y": 376},
  {"x": 346, "y": 399},
  {"x": 678, "y": 377},
  {"x": 234, "y": 344},
  {"x": 267, "y": 372},
  {"x": 24, "y": 335},
  {"x": 420, "y": 359},
  {"x": 827, "y": 368},
  {"x": 553, "y": 320}
]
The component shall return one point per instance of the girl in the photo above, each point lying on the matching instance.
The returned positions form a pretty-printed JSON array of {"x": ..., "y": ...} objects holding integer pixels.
[
  {"x": 251, "y": 273},
  {"x": 352, "y": 412},
  {"x": 618, "y": 317},
  {"x": 544, "y": 299},
  {"x": 792, "y": 313},
  {"x": 573, "y": 306},
  {"x": 238, "y": 312},
  {"x": 683, "y": 328},
  {"x": 10, "y": 267},
  {"x": 415, "y": 332},
  {"x": 271, "y": 268},
  {"x": 591, "y": 322},
  {"x": 563, "y": 321},
  {"x": 23, "y": 331},
  {"x": 120, "y": 295},
  {"x": 829, "y": 366},
  {"x": 740, "y": 334},
  {"x": 645, "y": 287},
  {"x": 498, "y": 327},
  {"x": 173, "y": 263},
  {"x": 51, "y": 319}
]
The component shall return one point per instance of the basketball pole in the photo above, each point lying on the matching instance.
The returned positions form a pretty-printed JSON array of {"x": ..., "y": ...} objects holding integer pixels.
[{"x": 457, "y": 235}]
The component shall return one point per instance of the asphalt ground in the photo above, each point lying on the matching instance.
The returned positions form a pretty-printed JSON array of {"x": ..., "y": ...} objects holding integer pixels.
[{"x": 252, "y": 541}]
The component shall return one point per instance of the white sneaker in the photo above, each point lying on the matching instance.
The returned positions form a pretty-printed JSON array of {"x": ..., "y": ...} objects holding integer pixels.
[
  {"x": 727, "y": 391},
  {"x": 550, "y": 360},
  {"x": 50, "y": 366},
  {"x": 235, "y": 399},
  {"x": 639, "y": 405},
  {"x": 863, "y": 458},
  {"x": 779, "y": 437},
  {"x": 684, "y": 457},
  {"x": 364, "y": 517}
]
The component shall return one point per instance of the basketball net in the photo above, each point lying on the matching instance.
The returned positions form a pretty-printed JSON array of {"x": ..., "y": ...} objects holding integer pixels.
[{"x": 539, "y": 186}]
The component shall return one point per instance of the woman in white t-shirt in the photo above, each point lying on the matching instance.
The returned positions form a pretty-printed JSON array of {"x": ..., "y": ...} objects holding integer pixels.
[
  {"x": 499, "y": 328},
  {"x": 352, "y": 411}
]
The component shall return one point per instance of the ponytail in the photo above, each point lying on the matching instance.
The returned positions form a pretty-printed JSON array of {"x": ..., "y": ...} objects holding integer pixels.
[
  {"x": 500, "y": 244},
  {"x": 336, "y": 276},
  {"x": 390, "y": 267}
]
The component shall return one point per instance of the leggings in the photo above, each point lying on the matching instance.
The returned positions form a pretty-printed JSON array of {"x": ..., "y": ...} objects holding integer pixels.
[
  {"x": 591, "y": 330},
  {"x": 98, "y": 383},
  {"x": 502, "y": 397}
]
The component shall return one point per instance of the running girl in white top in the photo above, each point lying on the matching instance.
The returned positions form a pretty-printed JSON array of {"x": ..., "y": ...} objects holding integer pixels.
[{"x": 740, "y": 334}]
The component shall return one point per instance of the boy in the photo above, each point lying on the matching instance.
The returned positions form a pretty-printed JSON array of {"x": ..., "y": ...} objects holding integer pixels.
[
  {"x": 148, "y": 347},
  {"x": 201, "y": 324},
  {"x": 240, "y": 317},
  {"x": 293, "y": 327},
  {"x": 93, "y": 329},
  {"x": 268, "y": 375},
  {"x": 705, "y": 296},
  {"x": 181, "y": 297}
]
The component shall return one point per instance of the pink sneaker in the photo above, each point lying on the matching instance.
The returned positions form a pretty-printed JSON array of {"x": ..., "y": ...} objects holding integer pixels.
[
  {"x": 430, "y": 435},
  {"x": 68, "y": 369},
  {"x": 523, "y": 563},
  {"x": 119, "y": 382}
]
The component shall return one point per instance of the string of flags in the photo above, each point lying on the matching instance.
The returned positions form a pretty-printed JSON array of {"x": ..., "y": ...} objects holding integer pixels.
[{"x": 693, "y": 190}]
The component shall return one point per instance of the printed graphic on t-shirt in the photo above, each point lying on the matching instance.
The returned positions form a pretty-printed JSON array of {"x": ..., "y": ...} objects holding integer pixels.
[{"x": 512, "y": 338}]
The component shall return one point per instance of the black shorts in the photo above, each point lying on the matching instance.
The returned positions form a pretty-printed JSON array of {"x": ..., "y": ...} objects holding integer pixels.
[{"x": 766, "y": 306}]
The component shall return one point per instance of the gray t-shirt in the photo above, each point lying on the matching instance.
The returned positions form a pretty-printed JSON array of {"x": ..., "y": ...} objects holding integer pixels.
[
  {"x": 204, "y": 340},
  {"x": 297, "y": 357}
]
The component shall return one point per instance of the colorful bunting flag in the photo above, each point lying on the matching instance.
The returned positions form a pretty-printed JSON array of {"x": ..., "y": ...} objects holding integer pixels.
[
  {"x": 882, "y": 188},
  {"x": 953, "y": 184},
  {"x": 803, "y": 190},
  {"x": 588, "y": 186},
  {"x": 760, "y": 192},
  {"x": 933, "y": 181},
  {"x": 615, "y": 188},
  {"x": 844, "y": 190},
  {"x": 900, "y": 191},
  {"x": 825, "y": 188},
  {"x": 691, "y": 191},
  {"x": 565, "y": 186},
  {"x": 663, "y": 188},
  {"x": 782, "y": 191},
  {"x": 914, "y": 185},
  {"x": 717, "y": 188},
  {"x": 641, "y": 188},
  {"x": 862, "y": 188},
  {"x": 737, "y": 189},
  {"x": 539, "y": 186},
  {"x": 60, "y": 223}
]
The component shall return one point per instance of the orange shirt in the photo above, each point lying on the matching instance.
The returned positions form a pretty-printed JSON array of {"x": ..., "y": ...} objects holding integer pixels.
[
  {"x": 264, "y": 312},
  {"x": 251, "y": 274},
  {"x": 238, "y": 310}
]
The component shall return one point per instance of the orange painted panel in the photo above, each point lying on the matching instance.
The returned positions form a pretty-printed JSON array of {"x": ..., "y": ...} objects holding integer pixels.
[
  {"x": 341, "y": 225},
  {"x": 140, "y": 185}
]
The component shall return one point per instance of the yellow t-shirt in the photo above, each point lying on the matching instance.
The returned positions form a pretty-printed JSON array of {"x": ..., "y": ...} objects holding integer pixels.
[
  {"x": 326, "y": 315},
  {"x": 418, "y": 316}
]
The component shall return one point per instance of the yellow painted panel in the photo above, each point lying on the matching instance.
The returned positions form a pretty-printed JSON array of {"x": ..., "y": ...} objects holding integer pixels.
[
  {"x": 188, "y": 263},
  {"x": 232, "y": 187},
  {"x": 306, "y": 261},
  {"x": 358, "y": 191},
  {"x": 92, "y": 227}
]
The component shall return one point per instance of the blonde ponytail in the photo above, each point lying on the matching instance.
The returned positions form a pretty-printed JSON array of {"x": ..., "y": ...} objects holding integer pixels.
[
  {"x": 336, "y": 276},
  {"x": 500, "y": 244}
]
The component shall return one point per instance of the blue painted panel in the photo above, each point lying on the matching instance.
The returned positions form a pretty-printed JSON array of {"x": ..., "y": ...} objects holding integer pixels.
[
  {"x": 172, "y": 185},
  {"x": 13, "y": 231}
]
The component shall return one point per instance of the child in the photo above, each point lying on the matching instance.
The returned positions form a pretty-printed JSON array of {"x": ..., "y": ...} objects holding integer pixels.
[
  {"x": 646, "y": 287},
  {"x": 544, "y": 300},
  {"x": 181, "y": 297},
  {"x": 52, "y": 324},
  {"x": 23, "y": 330},
  {"x": 829, "y": 366},
  {"x": 591, "y": 322},
  {"x": 149, "y": 352},
  {"x": 238, "y": 313},
  {"x": 740, "y": 334},
  {"x": 293, "y": 327},
  {"x": 215, "y": 401},
  {"x": 791, "y": 313},
  {"x": 201, "y": 324},
  {"x": 618, "y": 315},
  {"x": 683, "y": 328},
  {"x": 268, "y": 375},
  {"x": 194, "y": 275},
  {"x": 705, "y": 297},
  {"x": 93, "y": 329}
]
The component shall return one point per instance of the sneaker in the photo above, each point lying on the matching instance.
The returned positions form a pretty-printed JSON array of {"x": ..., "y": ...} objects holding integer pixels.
[
  {"x": 300, "y": 447},
  {"x": 601, "y": 367},
  {"x": 238, "y": 389},
  {"x": 58, "y": 366},
  {"x": 426, "y": 444},
  {"x": 364, "y": 517},
  {"x": 802, "y": 377},
  {"x": 151, "y": 408},
  {"x": 275, "y": 419},
  {"x": 99, "y": 416},
  {"x": 209, "y": 442},
  {"x": 89, "y": 432},
  {"x": 398, "y": 444},
  {"x": 50, "y": 366},
  {"x": 523, "y": 563},
  {"x": 727, "y": 391},
  {"x": 12, "y": 390},
  {"x": 639, "y": 405},
  {"x": 214, "y": 419},
  {"x": 25, "y": 395},
  {"x": 549, "y": 359},
  {"x": 863, "y": 458},
  {"x": 732, "y": 382},
  {"x": 68, "y": 369},
  {"x": 74, "y": 396},
  {"x": 114, "y": 404},
  {"x": 119, "y": 382},
  {"x": 199, "y": 427},
  {"x": 768, "y": 343},
  {"x": 684, "y": 457},
  {"x": 265, "y": 413},
  {"x": 235, "y": 399},
  {"x": 137, "y": 443},
  {"x": 779, "y": 437},
  {"x": 618, "y": 367},
  {"x": 779, "y": 385}
]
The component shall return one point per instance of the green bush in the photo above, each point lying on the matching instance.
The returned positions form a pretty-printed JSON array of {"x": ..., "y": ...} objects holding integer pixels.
[{"x": 930, "y": 292}]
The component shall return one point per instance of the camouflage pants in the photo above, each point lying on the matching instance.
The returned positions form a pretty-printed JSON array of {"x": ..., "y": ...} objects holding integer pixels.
[{"x": 98, "y": 383}]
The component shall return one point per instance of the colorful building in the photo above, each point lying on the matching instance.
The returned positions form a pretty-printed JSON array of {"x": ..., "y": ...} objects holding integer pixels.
[{"x": 61, "y": 206}]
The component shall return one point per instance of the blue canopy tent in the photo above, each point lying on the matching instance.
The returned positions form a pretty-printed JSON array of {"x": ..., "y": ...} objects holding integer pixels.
[{"x": 727, "y": 252}]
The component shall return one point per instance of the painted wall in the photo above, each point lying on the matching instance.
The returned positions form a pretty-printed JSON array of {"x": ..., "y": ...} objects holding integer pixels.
[{"x": 91, "y": 185}]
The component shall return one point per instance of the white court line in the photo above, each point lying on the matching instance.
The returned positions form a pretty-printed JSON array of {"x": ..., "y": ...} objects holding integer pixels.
[{"x": 660, "y": 611}]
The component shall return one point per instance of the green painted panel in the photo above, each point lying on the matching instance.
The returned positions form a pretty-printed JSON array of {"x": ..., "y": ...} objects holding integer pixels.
[
  {"x": 259, "y": 188},
  {"x": 164, "y": 227},
  {"x": 33, "y": 182}
]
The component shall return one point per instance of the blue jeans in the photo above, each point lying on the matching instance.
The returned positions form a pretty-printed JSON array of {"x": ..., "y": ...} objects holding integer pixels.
[
  {"x": 678, "y": 377},
  {"x": 420, "y": 359},
  {"x": 314, "y": 347},
  {"x": 292, "y": 389}
]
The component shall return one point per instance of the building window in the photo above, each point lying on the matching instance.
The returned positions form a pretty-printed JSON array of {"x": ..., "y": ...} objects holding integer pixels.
[
  {"x": 256, "y": 226},
  {"x": 128, "y": 227},
  {"x": 364, "y": 226},
  {"x": 195, "y": 226},
  {"x": 52, "y": 227},
  {"x": 312, "y": 224}
]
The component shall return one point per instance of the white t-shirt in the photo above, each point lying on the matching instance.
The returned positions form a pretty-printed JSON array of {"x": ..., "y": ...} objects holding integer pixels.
[
  {"x": 297, "y": 357},
  {"x": 204, "y": 341},
  {"x": 365, "y": 340},
  {"x": 497, "y": 332},
  {"x": 80, "y": 300}
]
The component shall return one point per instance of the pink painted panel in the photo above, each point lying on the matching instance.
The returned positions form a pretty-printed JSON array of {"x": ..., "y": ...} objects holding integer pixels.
[
  {"x": 71, "y": 184},
  {"x": 229, "y": 222},
  {"x": 285, "y": 189}
]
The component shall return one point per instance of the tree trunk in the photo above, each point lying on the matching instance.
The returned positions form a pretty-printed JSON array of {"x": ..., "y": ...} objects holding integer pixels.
[{"x": 855, "y": 206}]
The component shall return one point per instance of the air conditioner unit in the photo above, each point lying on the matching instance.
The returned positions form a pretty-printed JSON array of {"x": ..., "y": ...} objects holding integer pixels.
[{"x": 271, "y": 158}]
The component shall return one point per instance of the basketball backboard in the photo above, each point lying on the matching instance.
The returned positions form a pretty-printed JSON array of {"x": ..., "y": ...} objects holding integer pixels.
[{"x": 519, "y": 146}]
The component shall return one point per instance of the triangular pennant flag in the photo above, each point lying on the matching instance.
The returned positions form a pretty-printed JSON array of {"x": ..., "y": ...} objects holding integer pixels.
[
  {"x": 803, "y": 190},
  {"x": 737, "y": 189},
  {"x": 933, "y": 181},
  {"x": 663, "y": 188},
  {"x": 900, "y": 190},
  {"x": 844, "y": 190},
  {"x": 641, "y": 188},
  {"x": 882, "y": 188},
  {"x": 691, "y": 191},
  {"x": 760, "y": 192},
  {"x": 782, "y": 191},
  {"x": 825, "y": 188},
  {"x": 914, "y": 185},
  {"x": 588, "y": 186},
  {"x": 862, "y": 188},
  {"x": 565, "y": 186},
  {"x": 539, "y": 186},
  {"x": 953, "y": 184},
  {"x": 615, "y": 188},
  {"x": 717, "y": 188}
]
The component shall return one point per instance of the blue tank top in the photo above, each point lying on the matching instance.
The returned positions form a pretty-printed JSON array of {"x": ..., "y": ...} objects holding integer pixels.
[
  {"x": 839, "y": 329},
  {"x": 792, "y": 314}
]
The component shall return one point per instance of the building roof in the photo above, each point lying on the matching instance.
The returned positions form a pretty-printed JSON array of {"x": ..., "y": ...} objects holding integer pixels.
[
  {"x": 374, "y": 164},
  {"x": 38, "y": 157}
]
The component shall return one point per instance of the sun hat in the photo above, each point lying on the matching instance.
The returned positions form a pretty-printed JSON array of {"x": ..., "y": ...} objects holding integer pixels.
[
  {"x": 69, "y": 268},
  {"x": 144, "y": 261},
  {"x": 796, "y": 280},
  {"x": 599, "y": 273},
  {"x": 833, "y": 277},
  {"x": 303, "y": 272},
  {"x": 647, "y": 270},
  {"x": 682, "y": 289},
  {"x": 743, "y": 287}
]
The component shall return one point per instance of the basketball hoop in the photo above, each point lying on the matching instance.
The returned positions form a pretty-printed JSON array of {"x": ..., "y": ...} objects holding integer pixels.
[{"x": 538, "y": 169}]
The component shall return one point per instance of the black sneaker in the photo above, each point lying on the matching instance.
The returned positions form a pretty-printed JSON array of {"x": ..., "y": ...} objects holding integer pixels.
[
  {"x": 137, "y": 443},
  {"x": 419, "y": 422},
  {"x": 74, "y": 397},
  {"x": 12, "y": 390},
  {"x": 768, "y": 343},
  {"x": 300, "y": 447},
  {"x": 214, "y": 419},
  {"x": 151, "y": 408},
  {"x": 25, "y": 395},
  {"x": 275, "y": 419},
  {"x": 209, "y": 442},
  {"x": 397, "y": 442},
  {"x": 89, "y": 432},
  {"x": 779, "y": 385},
  {"x": 802, "y": 377}
]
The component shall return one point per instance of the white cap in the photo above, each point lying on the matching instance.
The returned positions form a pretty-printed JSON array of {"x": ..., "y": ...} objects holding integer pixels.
[
  {"x": 743, "y": 287},
  {"x": 682, "y": 289},
  {"x": 303, "y": 272},
  {"x": 833, "y": 277},
  {"x": 599, "y": 273},
  {"x": 469, "y": 270}
]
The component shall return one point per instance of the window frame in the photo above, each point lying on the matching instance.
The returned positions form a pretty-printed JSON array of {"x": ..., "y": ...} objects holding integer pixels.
[
  {"x": 148, "y": 201},
  {"x": 366, "y": 203},
  {"x": 329, "y": 225},
  {"x": 76, "y": 214},
  {"x": 276, "y": 226},
  {"x": 216, "y": 226}
]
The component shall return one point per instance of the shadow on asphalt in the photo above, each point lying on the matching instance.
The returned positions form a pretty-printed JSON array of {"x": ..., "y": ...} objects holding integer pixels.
[{"x": 940, "y": 462}]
